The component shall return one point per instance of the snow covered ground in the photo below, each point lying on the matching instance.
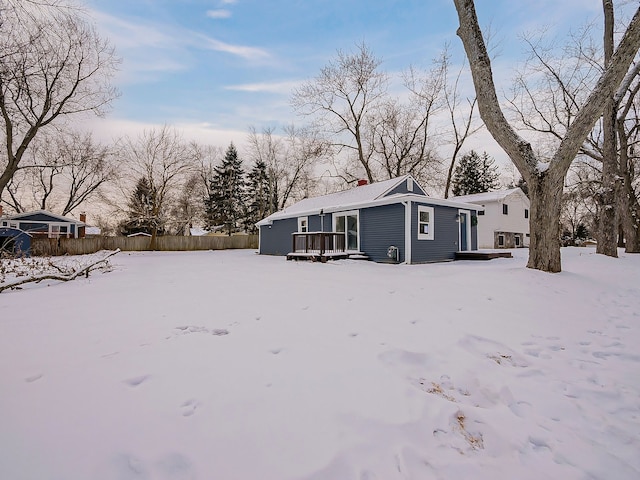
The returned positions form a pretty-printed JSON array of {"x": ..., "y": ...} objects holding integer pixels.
[{"x": 230, "y": 365}]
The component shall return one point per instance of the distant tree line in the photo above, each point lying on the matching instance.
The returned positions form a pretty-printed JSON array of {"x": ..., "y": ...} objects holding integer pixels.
[{"x": 579, "y": 100}]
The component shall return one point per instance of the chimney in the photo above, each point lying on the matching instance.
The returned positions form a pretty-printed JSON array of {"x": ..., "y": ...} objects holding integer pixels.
[
  {"x": 82, "y": 230},
  {"x": 362, "y": 182}
]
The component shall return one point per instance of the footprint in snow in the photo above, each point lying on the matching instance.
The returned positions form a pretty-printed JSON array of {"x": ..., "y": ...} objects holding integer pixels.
[
  {"x": 135, "y": 381},
  {"x": 276, "y": 351},
  {"x": 33, "y": 378},
  {"x": 189, "y": 407},
  {"x": 220, "y": 331}
]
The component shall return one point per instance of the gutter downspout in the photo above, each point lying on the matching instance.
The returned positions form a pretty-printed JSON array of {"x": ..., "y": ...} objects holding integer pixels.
[{"x": 407, "y": 232}]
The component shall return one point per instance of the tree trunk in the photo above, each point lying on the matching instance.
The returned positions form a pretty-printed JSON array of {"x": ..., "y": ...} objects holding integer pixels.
[
  {"x": 545, "y": 194},
  {"x": 608, "y": 220}
]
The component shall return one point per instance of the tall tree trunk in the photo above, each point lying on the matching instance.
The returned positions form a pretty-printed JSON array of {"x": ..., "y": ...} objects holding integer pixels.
[
  {"x": 608, "y": 196},
  {"x": 546, "y": 180},
  {"x": 545, "y": 194},
  {"x": 629, "y": 204}
]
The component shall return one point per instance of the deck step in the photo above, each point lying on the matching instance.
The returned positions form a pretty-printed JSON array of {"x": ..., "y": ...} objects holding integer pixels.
[{"x": 476, "y": 255}]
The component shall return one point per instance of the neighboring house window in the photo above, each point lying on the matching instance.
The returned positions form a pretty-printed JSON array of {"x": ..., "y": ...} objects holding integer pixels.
[
  {"x": 501, "y": 240},
  {"x": 425, "y": 223},
  {"x": 4, "y": 224},
  {"x": 303, "y": 224},
  {"x": 480, "y": 212},
  {"x": 410, "y": 185},
  {"x": 54, "y": 231},
  {"x": 505, "y": 209},
  {"x": 526, "y": 213},
  {"x": 517, "y": 239}
]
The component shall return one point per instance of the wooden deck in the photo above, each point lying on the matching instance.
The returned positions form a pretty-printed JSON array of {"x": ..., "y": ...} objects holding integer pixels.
[
  {"x": 479, "y": 255},
  {"x": 320, "y": 247}
]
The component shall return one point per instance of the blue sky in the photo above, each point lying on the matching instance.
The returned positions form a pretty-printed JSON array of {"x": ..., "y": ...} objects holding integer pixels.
[{"x": 213, "y": 68}]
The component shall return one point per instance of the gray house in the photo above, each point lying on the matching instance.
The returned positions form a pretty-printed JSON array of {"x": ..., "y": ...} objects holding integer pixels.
[
  {"x": 45, "y": 224},
  {"x": 390, "y": 221}
]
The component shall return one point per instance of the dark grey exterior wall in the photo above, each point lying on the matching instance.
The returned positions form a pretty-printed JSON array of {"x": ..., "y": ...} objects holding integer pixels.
[
  {"x": 445, "y": 243},
  {"x": 315, "y": 223},
  {"x": 402, "y": 189},
  {"x": 276, "y": 239},
  {"x": 380, "y": 228}
]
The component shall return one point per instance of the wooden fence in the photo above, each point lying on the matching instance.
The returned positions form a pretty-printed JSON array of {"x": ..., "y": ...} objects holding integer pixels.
[{"x": 83, "y": 246}]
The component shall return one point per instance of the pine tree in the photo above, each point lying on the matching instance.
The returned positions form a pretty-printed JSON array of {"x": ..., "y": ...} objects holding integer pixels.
[
  {"x": 259, "y": 195},
  {"x": 140, "y": 214},
  {"x": 226, "y": 205},
  {"x": 475, "y": 174}
]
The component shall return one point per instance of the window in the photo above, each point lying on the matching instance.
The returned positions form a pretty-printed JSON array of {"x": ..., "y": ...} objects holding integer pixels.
[
  {"x": 526, "y": 213},
  {"x": 505, "y": 209},
  {"x": 517, "y": 239},
  {"x": 501, "y": 240},
  {"x": 480, "y": 212},
  {"x": 425, "y": 223},
  {"x": 303, "y": 224},
  {"x": 410, "y": 185}
]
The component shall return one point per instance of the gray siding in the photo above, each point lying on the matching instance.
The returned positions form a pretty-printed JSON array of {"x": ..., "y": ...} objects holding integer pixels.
[
  {"x": 276, "y": 239},
  {"x": 381, "y": 227},
  {"x": 402, "y": 189},
  {"x": 445, "y": 243}
]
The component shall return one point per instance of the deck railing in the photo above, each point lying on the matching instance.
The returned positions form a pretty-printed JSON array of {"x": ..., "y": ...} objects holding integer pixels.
[{"x": 319, "y": 242}]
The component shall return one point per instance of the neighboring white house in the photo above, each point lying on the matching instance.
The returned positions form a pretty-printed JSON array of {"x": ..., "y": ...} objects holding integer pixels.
[{"x": 505, "y": 220}]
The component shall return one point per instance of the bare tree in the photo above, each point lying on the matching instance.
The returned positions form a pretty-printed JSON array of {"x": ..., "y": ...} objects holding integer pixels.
[
  {"x": 342, "y": 97},
  {"x": 61, "y": 172},
  {"x": 52, "y": 64},
  {"x": 545, "y": 179},
  {"x": 461, "y": 119},
  {"x": 290, "y": 159},
  {"x": 162, "y": 158}
]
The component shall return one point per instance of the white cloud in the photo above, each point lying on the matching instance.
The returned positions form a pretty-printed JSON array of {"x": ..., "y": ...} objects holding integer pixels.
[
  {"x": 221, "y": 13},
  {"x": 228, "y": 2},
  {"x": 275, "y": 87},
  {"x": 248, "y": 53}
]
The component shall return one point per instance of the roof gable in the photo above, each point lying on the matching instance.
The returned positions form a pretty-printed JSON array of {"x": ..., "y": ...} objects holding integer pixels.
[{"x": 42, "y": 216}]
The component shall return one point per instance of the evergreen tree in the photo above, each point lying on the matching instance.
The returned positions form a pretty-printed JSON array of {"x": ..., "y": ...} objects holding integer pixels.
[
  {"x": 259, "y": 195},
  {"x": 140, "y": 215},
  {"x": 226, "y": 205},
  {"x": 475, "y": 174}
]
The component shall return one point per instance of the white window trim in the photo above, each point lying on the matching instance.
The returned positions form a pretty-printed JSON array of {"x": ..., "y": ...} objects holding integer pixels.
[
  {"x": 431, "y": 234},
  {"x": 468, "y": 224},
  {"x": 57, "y": 234},
  {"x": 302, "y": 220}
]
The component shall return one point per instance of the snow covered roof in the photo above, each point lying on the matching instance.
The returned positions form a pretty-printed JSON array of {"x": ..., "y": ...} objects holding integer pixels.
[
  {"x": 488, "y": 196},
  {"x": 358, "y": 197},
  {"x": 19, "y": 216},
  {"x": 197, "y": 231}
]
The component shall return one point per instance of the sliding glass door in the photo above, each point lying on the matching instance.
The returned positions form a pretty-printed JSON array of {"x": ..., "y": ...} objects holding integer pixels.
[{"x": 347, "y": 222}]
